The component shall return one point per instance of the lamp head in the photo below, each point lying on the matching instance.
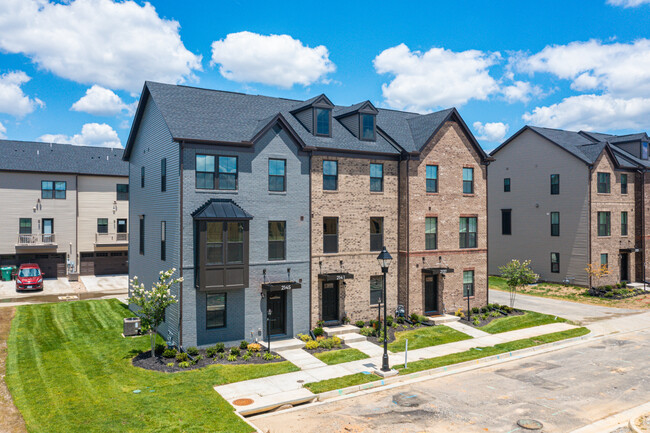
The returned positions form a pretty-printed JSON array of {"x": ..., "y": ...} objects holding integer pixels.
[{"x": 384, "y": 258}]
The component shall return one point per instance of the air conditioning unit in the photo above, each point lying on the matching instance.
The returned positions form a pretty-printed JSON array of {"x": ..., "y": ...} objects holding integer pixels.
[{"x": 131, "y": 326}]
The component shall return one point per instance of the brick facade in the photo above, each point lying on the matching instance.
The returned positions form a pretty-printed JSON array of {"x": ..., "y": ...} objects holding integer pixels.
[
  {"x": 451, "y": 150},
  {"x": 353, "y": 204},
  {"x": 642, "y": 220}
]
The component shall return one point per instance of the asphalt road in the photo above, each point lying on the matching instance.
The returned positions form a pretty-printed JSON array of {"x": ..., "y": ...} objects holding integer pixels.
[{"x": 564, "y": 390}]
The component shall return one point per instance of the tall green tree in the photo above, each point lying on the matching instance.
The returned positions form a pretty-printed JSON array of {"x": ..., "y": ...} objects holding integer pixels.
[
  {"x": 153, "y": 302},
  {"x": 517, "y": 274}
]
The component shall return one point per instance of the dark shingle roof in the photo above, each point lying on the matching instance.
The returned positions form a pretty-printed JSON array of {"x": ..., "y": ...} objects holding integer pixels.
[
  {"x": 61, "y": 158},
  {"x": 194, "y": 114},
  {"x": 219, "y": 208}
]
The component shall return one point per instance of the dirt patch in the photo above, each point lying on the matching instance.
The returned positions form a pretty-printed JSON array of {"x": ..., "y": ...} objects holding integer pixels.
[
  {"x": 11, "y": 421},
  {"x": 78, "y": 286}
]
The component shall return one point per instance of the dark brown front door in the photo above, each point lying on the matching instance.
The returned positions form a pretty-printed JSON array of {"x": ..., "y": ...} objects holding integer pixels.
[
  {"x": 330, "y": 300},
  {"x": 277, "y": 304},
  {"x": 431, "y": 294},
  {"x": 625, "y": 265}
]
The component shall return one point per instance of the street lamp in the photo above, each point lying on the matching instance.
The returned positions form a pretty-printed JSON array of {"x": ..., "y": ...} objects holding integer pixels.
[{"x": 384, "y": 259}]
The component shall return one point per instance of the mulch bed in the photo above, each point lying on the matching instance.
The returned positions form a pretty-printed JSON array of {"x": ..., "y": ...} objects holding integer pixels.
[
  {"x": 483, "y": 322},
  {"x": 392, "y": 331},
  {"x": 616, "y": 292},
  {"x": 158, "y": 363},
  {"x": 321, "y": 349}
]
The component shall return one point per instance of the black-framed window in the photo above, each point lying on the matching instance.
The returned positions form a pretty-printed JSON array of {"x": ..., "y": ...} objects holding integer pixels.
[
  {"x": 235, "y": 242},
  {"x": 604, "y": 260},
  {"x": 163, "y": 175},
  {"x": 376, "y": 233},
  {"x": 468, "y": 232},
  {"x": 555, "y": 263},
  {"x": 376, "y": 289},
  {"x": 604, "y": 223},
  {"x": 330, "y": 235},
  {"x": 142, "y": 234},
  {"x": 644, "y": 150},
  {"x": 224, "y": 242},
  {"x": 277, "y": 240},
  {"x": 468, "y": 283},
  {"x": 215, "y": 314},
  {"x": 47, "y": 227},
  {"x": 102, "y": 225},
  {"x": 163, "y": 240},
  {"x": 432, "y": 178},
  {"x": 506, "y": 184},
  {"x": 47, "y": 189},
  {"x": 367, "y": 127},
  {"x": 623, "y": 183},
  {"x": 330, "y": 175},
  {"x": 555, "y": 223},
  {"x": 142, "y": 177},
  {"x": 277, "y": 175},
  {"x": 323, "y": 121},
  {"x": 25, "y": 226},
  {"x": 623, "y": 223},
  {"x": 431, "y": 233},
  {"x": 506, "y": 221},
  {"x": 603, "y": 183},
  {"x": 468, "y": 180},
  {"x": 122, "y": 225},
  {"x": 555, "y": 184},
  {"x": 216, "y": 172},
  {"x": 214, "y": 242},
  {"x": 376, "y": 177},
  {"x": 122, "y": 190},
  {"x": 53, "y": 189}
]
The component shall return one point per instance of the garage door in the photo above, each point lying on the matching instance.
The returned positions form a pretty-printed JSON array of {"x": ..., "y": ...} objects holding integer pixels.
[
  {"x": 104, "y": 263},
  {"x": 52, "y": 265}
]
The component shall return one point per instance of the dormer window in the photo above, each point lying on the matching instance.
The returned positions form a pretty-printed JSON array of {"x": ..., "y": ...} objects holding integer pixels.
[
  {"x": 644, "y": 150},
  {"x": 368, "y": 127},
  {"x": 323, "y": 120}
]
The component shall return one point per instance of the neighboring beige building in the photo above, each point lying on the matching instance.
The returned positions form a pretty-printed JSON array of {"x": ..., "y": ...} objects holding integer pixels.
[{"x": 65, "y": 208}]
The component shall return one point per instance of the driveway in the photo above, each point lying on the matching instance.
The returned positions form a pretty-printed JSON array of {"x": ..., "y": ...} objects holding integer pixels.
[
  {"x": 580, "y": 313},
  {"x": 109, "y": 284},
  {"x": 51, "y": 286}
]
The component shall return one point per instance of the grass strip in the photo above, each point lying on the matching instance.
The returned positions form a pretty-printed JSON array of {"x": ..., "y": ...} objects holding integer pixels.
[
  {"x": 441, "y": 361},
  {"x": 426, "y": 337},
  {"x": 527, "y": 320},
  {"x": 340, "y": 356}
]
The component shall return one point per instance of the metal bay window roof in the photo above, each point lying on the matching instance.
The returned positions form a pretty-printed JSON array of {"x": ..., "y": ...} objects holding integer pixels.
[{"x": 221, "y": 209}]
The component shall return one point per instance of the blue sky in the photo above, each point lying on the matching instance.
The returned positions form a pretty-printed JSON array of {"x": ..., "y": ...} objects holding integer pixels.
[{"x": 72, "y": 71}]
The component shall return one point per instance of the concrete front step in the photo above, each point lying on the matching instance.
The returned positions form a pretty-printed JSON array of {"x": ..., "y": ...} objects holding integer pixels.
[
  {"x": 352, "y": 338},
  {"x": 639, "y": 286},
  {"x": 444, "y": 319},
  {"x": 340, "y": 330},
  {"x": 286, "y": 344}
]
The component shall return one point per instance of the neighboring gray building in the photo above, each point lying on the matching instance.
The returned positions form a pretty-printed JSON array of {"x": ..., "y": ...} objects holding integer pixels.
[{"x": 566, "y": 199}]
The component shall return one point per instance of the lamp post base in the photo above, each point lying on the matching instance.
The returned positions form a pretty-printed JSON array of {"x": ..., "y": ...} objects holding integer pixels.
[{"x": 389, "y": 373}]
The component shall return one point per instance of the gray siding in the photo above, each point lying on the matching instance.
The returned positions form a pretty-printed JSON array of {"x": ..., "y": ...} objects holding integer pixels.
[
  {"x": 529, "y": 161},
  {"x": 351, "y": 123},
  {"x": 152, "y": 143},
  {"x": 245, "y": 318},
  {"x": 633, "y": 148},
  {"x": 306, "y": 117}
]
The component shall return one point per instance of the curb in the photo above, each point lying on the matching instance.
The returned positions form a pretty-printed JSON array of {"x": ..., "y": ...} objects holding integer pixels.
[{"x": 632, "y": 425}]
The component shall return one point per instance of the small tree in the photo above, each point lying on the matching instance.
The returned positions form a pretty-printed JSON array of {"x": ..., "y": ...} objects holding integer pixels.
[
  {"x": 597, "y": 272},
  {"x": 153, "y": 302},
  {"x": 517, "y": 274}
]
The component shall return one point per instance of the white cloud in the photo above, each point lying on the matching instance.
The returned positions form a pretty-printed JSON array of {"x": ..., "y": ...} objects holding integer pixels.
[
  {"x": 3, "y": 131},
  {"x": 92, "y": 134},
  {"x": 628, "y": 3},
  {"x": 435, "y": 78},
  {"x": 277, "y": 60},
  {"x": 101, "y": 102},
  {"x": 114, "y": 44},
  {"x": 593, "y": 112},
  {"x": 12, "y": 99},
  {"x": 520, "y": 91},
  {"x": 492, "y": 132},
  {"x": 620, "y": 69}
]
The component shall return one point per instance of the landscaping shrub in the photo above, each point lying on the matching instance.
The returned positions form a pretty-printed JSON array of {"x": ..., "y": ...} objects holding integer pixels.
[
  {"x": 211, "y": 352},
  {"x": 320, "y": 323},
  {"x": 389, "y": 320},
  {"x": 232, "y": 358},
  {"x": 169, "y": 353},
  {"x": 254, "y": 347},
  {"x": 192, "y": 351},
  {"x": 359, "y": 323},
  {"x": 304, "y": 337},
  {"x": 484, "y": 316},
  {"x": 400, "y": 320},
  {"x": 170, "y": 364},
  {"x": 222, "y": 355},
  {"x": 484, "y": 309},
  {"x": 246, "y": 356},
  {"x": 311, "y": 345},
  {"x": 495, "y": 314},
  {"x": 423, "y": 319},
  {"x": 318, "y": 331},
  {"x": 182, "y": 357},
  {"x": 459, "y": 313},
  {"x": 267, "y": 356},
  {"x": 476, "y": 321},
  {"x": 243, "y": 344},
  {"x": 374, "y": 324},
  {"x": 220, "y": 347},
  {"x": 475, "y": 310},
  {"x": 235, "y": 351},
  {"x": 160, "y": 348},
  {"x": 366, "y": 332},
  {"x": 329, "y": 343},
  {"x": 184, "y": 364},
  {"x": 415, "y": 318}
]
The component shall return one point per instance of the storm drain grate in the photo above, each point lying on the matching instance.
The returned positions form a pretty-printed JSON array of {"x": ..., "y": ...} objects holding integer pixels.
[
  {"x": 530, "y": 424},
  {"x": 242, "y": 402}
]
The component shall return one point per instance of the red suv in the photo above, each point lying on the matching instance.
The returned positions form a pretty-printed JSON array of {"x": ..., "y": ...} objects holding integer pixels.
[{"x": 29, "y": 277}]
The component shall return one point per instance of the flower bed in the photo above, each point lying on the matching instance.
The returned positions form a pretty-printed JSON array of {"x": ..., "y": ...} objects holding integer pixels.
[
  {"x": 484, "y": 315},
  {"x": 171, "y": 361},
  {"x": 619, "y": 291},
  {"x": 373, "y": 330},
  {"x": 321, "y": 344}
]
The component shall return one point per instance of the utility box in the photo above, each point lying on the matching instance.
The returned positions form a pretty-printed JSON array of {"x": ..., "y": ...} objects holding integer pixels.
[{"x": 131, "y": 326}]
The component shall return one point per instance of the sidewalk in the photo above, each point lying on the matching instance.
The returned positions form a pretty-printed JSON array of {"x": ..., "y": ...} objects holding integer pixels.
[{"x": 289, "y": 387}]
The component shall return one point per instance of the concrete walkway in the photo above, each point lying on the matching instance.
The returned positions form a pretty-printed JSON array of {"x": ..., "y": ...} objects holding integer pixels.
[
  {"x": 466, "y": 329},
  {"x": 269, "y": 391},
  {"x": 370, "y": 349},
  {"x": 301, "y": 358}
]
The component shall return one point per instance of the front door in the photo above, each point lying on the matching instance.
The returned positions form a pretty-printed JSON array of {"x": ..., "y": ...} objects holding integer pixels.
[
  {"x": 330, "y": 301},
  {"x": 48, "y": 230},
  {"x": 625, "y": 264},
  {"x": 431, "y": 294},
  {"x": 277, "y": 304}
]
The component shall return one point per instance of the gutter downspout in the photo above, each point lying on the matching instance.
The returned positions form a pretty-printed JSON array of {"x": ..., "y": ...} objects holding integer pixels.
[
  {"x": 76, "y": 235},
  {"x": 408, "y": 238},
  {"x": 180, "y": 297},
  {"x": 589, "y": 179},
  {"x": 311, "y": 238},
  {"x": 487, "y": 237}
]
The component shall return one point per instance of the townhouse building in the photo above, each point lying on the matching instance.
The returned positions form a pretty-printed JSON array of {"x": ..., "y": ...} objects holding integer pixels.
[
  {"x": 68, "y": 208},
  {"x": 274, "y": 211},
  {"x": 565, "y": 199}
]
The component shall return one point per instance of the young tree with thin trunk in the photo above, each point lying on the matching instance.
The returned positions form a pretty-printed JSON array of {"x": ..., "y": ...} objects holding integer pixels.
[
  {"x": 597, "y": 272},
  {"x": 517, "y": 274},
  {"x": 153, "y": 302}
]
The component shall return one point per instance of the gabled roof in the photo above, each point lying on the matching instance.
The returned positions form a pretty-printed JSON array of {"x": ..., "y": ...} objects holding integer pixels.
[
  {"x": 221, "y": 209},
  {"x": 365, "y": 106},
  {"x": 61, "y": 158},
  {"x": 320, "y": 100}
]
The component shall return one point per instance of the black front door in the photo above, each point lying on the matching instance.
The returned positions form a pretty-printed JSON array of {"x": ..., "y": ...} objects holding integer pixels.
[
  {"x": 625, "y": 264},
  {"x": 330, "y": 300},
  {"x": 277, "y": 304},
  {"x": 431, "y": 294}
]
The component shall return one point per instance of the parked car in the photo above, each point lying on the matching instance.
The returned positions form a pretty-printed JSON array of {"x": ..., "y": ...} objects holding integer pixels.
[{"x": 29, "y": 277}]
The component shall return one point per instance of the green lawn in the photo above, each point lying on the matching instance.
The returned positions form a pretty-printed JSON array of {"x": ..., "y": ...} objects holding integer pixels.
[
  {"x": 69, "y": 370},
  {"x": 340, "y": 356},
  {"x": 425, "y": 336},
  {"x": 497, "y": 283},
  {"x": 441, "y": 361},
  {"x": 527, "y": 320}
]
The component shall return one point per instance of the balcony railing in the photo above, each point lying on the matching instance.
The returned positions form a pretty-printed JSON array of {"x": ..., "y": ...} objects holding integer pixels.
[
  {"x": 38, "y": 239},
  {"x": 111, "y": 238}
]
